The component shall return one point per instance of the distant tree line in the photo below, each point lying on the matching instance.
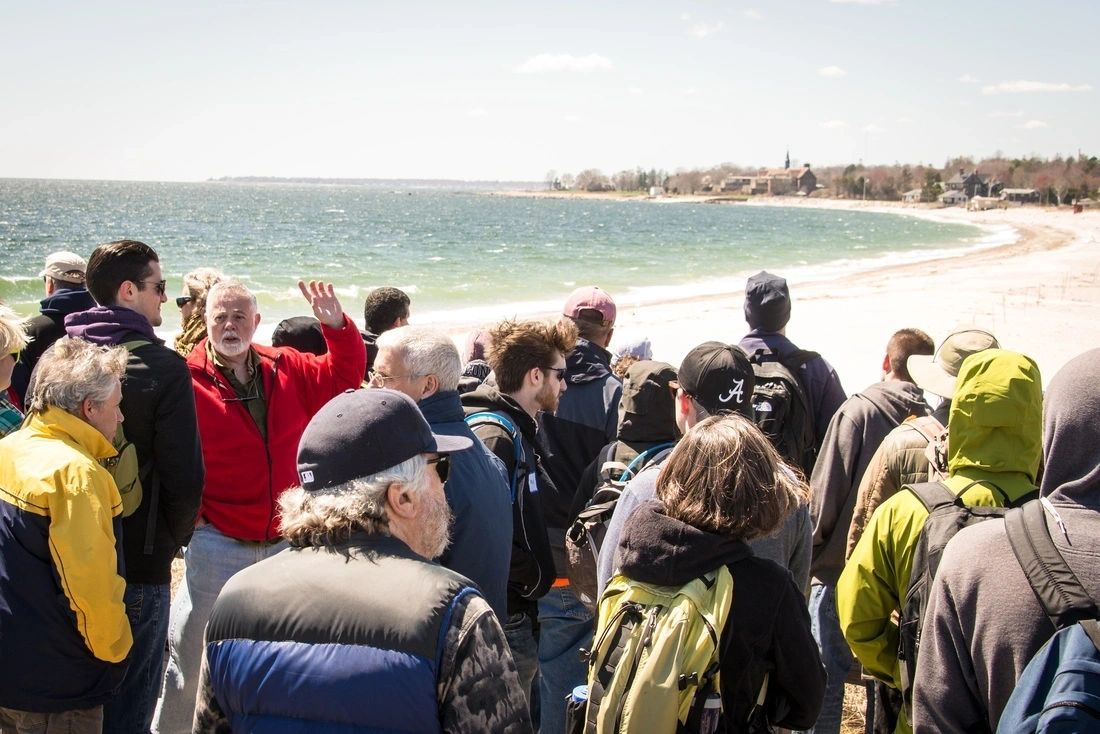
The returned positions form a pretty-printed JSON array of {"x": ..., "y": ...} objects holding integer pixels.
[{"x": 1059, "y": 180}]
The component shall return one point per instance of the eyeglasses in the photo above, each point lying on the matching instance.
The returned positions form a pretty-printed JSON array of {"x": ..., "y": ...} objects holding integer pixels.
[
  {"x": 159, "y": 286},
  {"x": 442, "y": 467},
  {"x": 377, "y": 378},
  {"x": 183, "y": 301},
  {"x": 559, "y": 371}
]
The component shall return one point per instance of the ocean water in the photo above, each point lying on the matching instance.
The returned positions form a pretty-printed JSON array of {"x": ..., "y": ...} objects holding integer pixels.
[{"x": 464, "y": 256}]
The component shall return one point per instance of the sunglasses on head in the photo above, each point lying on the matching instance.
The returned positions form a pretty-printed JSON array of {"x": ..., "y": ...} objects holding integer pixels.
[
  {"x": 442, "y": 467},
  {"x": 183, "y": 301}
]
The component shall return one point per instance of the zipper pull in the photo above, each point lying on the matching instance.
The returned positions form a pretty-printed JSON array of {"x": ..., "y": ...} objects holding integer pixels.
[{"x": 1049, "y": 507}]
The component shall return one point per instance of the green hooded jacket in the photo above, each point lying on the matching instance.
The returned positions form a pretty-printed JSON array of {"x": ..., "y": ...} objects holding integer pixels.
[{"x": 995, "y": 435}]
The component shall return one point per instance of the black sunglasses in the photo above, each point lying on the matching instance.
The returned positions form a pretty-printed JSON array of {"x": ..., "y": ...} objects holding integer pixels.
[
  {"x": 183, "y": 301},
  {"x": 442, "y": 467},
  {"x": 559, "y": 370},
  {"x": 158, "y": 285}
]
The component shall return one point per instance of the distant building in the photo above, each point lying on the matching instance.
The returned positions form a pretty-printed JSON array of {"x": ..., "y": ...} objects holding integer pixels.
[
  {"x": 912, "y": 197},
  {"x": 953, "y": 198},
  {"x": 972, "y": 184},
  {"x": 1021, "y": 196}
]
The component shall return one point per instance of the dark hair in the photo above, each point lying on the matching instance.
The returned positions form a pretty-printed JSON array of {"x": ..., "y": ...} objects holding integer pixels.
[
  {"x": 384, "y": 306},
  {"x": 591, "y": 326},
  {"x": 725, "y": 477},
  {"x": 113, "y": 264},
  {"x": 520, "y": 346},
  {"x": 903, "y": 344}
]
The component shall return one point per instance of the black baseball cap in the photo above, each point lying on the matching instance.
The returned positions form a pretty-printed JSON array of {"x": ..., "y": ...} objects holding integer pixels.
[
  {"x": 767, "y": 302},
  {"x": 362, "y": 432},
  {"x": 719, "y": 377}
]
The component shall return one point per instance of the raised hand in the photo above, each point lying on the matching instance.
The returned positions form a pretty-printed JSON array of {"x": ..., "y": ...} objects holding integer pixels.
[{"x": 325, "y": 304}]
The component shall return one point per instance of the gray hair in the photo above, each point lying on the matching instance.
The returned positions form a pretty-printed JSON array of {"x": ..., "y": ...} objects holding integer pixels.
[
  {"x": 329, "y": 516},
  {"x": 425, "y": 351},
  {"x": 231, "y": 287},
  {"x": 12, "y": 336},
  {"x": 72, "y": 371}
]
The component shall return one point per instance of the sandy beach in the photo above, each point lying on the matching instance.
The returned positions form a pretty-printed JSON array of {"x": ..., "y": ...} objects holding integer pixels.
[{"x": 1038, "y": 295}]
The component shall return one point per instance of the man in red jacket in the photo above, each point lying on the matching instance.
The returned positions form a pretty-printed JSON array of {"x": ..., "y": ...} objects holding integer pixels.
[{"x": 253, "y": 403}]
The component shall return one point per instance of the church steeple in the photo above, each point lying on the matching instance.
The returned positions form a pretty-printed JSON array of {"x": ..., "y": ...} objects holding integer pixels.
[{"x": 787, "y": 164}]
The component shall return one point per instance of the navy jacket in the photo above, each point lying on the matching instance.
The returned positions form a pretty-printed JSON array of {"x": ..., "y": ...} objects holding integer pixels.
[
  {"x": 478, "y": 494},
  {"x": 44, "y": 330}
]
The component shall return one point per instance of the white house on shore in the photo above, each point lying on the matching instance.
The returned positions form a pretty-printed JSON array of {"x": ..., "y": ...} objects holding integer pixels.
[
  {"x": 912, "y": 196},
  {"x": 953, "y": 198}
]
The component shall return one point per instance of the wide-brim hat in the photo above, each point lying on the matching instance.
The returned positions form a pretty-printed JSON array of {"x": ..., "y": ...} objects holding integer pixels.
[{"x": 937, "y": 373}]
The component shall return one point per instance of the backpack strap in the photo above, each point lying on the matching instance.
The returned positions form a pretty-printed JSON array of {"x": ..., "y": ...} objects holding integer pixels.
[
  {"x": 928, "y": 426},
  {"x": 642, "y": 460},
  {"x": 1057, "y": 588},
  {"x": 488, "y": 418},
  {"x": 934, "y": 495},
  {"x": 606, "y": 463}
]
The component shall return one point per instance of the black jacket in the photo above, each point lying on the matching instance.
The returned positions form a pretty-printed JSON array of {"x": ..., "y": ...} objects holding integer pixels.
[
  {"x": 159, "y": 406},
  {"x": 44, "y": 330},
  {"x": 768, "y": 629},
  {"x": 531, "y": 573}
]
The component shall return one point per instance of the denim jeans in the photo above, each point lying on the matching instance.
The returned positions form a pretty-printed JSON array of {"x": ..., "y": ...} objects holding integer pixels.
[
  {"x": 519, "y": 631},
  {"x": 130, "y": 709},
  {"x": 835, "y": 654},
  {"x": 210, "y": 560},
  {"x": 565, "y": 626}
]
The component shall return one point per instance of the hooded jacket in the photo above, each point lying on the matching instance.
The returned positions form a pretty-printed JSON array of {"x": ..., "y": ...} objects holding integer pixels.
[
  {"x": 996, "y": 429},
  {"x": 573, "y": 435},
  {"x": 768, "y": 629},
  {"x": 647, "y": 419},
  {"x": 854, "y": 433},
  {"x": 478, "y": 495},
  {"x": 44, "y": 330},
  {"x": 983, "y": 623},
  {"x": 64, "y": 635},
  {"x": 159, "y": 407},
  {"x": 531, "y": 573},
  {"x": 247, "y": 471}
]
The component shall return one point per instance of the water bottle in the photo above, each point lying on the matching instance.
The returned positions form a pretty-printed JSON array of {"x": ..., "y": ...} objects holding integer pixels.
[
  {"x": 712, "y": 712},
  {"x": 576, "y": 706}
]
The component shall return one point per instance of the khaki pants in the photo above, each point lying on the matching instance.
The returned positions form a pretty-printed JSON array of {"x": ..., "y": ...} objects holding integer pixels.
[{"x": 81, "y": 721}]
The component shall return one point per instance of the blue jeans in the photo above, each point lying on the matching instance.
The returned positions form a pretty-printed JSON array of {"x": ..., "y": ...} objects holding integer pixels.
[
  {"x": 519, "y": 631},
  {"x": 565, "y": 626},
  {"x": 835, "y": 654},
  {"x": 130, "y": 709},
  {"x": 210, "y": 560}
]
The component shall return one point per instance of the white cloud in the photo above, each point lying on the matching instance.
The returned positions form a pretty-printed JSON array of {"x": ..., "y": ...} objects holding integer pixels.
[
  {"x": 690, "y": 91},
  {"x": 831, "y": 71},
  {"x": 1024, "y": 86},
  {"x": 752, "y": 14},
  {"x": 1033, "y": 125},
  {"x": 967, "y": 79},
  {"x": 685, "y": 16},
  {"x": 549, "y": 63},
  {"x": 636, "y": 91},
  {"x": 872, "y": 128},
  {"x": 834, "y": 124},
  {"x": 477, "y": 112},
  {"x": 572, "y": 118},
  {"x": 702, "y": 30},
  {"x": 1003, "y": 113},
  {"x": 904, "y": 120}
]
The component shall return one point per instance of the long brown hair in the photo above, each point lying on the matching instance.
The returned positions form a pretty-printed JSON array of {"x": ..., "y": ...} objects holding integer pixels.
[{"x": 726, "y": 478}]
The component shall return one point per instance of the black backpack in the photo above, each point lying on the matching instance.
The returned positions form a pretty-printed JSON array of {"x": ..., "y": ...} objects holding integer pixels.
[
  {"x": 947, "y": 515},
  {"x": 584, "y": 539},
  {"x": 780, "y": 406}
]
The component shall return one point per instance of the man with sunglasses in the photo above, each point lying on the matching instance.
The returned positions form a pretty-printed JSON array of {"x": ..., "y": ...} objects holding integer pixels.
[
  {"x": 253, "y": 404},
  {"x": 125, "y": 279},
  {"x": 528, "y": 361},
  {"x": 353, "y": 627},
  {"x": 423, "y": 363}
]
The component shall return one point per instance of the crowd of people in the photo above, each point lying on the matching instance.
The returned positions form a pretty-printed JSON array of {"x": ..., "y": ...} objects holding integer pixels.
[{"x": 552, "y": 531}]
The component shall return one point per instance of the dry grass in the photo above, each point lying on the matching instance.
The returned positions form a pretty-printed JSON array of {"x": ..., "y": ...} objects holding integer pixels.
[{"x": 855, "y": 704}]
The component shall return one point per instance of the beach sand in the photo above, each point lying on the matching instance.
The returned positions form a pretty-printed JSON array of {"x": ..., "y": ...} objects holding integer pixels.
[{"x": 1037, "y": 295}]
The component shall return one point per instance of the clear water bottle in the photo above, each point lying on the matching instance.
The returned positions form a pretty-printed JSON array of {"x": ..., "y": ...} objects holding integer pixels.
[{"x": 712, "y": 712}]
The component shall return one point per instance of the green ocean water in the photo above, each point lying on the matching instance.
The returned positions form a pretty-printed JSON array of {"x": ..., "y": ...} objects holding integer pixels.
[{"x": 463, "y": 255}]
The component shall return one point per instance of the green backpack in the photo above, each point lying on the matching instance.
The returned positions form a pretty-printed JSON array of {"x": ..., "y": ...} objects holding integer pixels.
[
  {"x": 654, "y": 665},
  {"x": 124, "y": 465}
]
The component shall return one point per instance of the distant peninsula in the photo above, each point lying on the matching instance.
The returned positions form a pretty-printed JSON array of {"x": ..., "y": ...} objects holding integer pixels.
[{"x": 386, "y": 183}]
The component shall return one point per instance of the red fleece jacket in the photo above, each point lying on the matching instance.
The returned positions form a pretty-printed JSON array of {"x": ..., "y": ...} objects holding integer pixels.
[{"x": 244, "y": 474}]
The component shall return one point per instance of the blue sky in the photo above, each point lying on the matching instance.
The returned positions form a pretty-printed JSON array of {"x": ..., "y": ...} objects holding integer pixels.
[{"x": 510, "y": 90}]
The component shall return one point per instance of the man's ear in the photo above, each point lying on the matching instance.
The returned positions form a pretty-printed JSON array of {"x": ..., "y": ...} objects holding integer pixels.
[
  {"x": 535, "y": 376},
  {"x": 400, "y": 502},
  {"x": 431, "y": 386},
  {"x": 886, "y": 363}
]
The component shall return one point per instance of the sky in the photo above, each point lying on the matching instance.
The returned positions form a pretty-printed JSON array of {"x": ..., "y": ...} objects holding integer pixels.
[{"x": 472, "y": 90}]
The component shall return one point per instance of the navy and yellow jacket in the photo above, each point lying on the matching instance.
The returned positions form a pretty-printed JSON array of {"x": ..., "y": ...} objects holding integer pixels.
[{"x": 64, "y": 635}]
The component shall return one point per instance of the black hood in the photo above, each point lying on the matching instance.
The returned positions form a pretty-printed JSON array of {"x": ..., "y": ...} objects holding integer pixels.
[
  {"x": 1071, "y": 433},
  {"x": 657, "y": 549},
  {"x": 647, "y": 409},
  {"x": 587, "y": 362},
  {"x": 66, "y": 301}
]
